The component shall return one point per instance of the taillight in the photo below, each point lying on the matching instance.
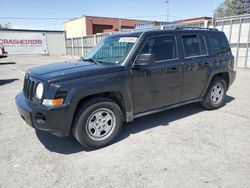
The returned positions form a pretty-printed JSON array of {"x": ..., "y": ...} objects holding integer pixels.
[{"x": 3, "y": 50}]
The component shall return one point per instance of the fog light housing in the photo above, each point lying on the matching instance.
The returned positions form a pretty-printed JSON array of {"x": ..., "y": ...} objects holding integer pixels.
[{"x": 40, "y": 118}]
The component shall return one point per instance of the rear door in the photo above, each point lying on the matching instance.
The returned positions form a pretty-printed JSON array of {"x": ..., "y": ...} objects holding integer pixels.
[{"x": 195, "y": 60}]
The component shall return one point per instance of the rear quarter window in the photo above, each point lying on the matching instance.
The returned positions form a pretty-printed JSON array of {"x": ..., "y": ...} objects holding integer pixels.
[{"x": 219, "y": 44}]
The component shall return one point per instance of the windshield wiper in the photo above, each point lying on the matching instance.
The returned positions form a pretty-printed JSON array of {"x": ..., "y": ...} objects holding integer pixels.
[{"x": 90, "y": 59}]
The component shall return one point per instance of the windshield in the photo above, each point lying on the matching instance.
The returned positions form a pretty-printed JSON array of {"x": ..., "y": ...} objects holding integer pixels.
[{"x": 112, "y": 50}]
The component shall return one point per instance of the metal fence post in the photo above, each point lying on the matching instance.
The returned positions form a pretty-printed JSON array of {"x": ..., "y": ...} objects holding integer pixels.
[
  {"x": 95, "y": 41},
  {"x": 238, "y": 43},
  {"x": 82, "y": 46},
  {"x": 248, "y": 41},
  {"x": 230, "y": 32},
  {"x": 72, "y": 46},
  {"x": 222, "y": 25}
]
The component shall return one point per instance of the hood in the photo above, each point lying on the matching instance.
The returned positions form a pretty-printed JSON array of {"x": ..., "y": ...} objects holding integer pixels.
[{"x": 71, "y": 70}]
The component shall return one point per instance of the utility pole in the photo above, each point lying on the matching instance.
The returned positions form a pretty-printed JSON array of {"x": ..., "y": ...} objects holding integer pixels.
[
  {"x": 213, "y": 11},
  {"x": 167, "y": 4},
  {"x": 120, "y": 24}
]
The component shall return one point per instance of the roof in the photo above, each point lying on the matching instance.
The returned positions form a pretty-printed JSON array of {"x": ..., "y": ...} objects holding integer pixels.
[
  {"x": 188, "y": 30},
  {"x": 33, "y": 30},
  {"x": 192, "y": 30},
  {"x": 195, "y": 19}
]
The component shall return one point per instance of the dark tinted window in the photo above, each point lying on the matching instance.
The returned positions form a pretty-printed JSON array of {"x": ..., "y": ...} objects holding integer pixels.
[
  {"x": 219, "y": 43},
  {"x": 164, "y": 48},
  {"x": 194, "y": 45}
]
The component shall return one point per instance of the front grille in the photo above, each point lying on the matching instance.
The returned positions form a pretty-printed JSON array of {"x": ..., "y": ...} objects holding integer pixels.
[{"x": 29, "y": 88}]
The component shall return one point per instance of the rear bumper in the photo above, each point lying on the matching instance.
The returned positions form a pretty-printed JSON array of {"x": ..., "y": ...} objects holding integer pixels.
[
  {"x": 53, "y": 120},
  {"x": 232, "y": 76}
]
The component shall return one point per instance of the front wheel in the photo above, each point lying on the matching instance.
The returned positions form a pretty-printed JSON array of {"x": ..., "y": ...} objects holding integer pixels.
[
  {"x": 97, "y": 123},
  {"x": 215, "y": 95}
]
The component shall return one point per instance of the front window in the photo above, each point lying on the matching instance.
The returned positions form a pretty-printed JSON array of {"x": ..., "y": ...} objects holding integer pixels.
[
  {"x": 164, "y": 48},
  {"x": 112, "y": 50}
]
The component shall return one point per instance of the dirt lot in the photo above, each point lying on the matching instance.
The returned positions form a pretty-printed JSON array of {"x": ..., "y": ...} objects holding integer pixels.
[{"x": 183, "y": 147}]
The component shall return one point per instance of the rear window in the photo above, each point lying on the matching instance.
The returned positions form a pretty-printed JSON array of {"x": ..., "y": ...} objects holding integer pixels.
[
  {"x": 194, "y": 45},
  {"x": 219, "y": 43}
]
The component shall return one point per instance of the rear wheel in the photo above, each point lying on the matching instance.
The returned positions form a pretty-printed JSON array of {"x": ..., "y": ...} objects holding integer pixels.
[
  {"x": 97, "y": 123},
  {"x": 215, "y": 94}
]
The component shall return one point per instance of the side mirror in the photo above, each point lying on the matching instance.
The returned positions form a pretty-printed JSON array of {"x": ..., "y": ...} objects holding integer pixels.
[{"x": 145, "y": 59}]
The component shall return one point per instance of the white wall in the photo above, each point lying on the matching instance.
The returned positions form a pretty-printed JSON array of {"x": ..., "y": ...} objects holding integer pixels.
[
  {"x": 53, "y": 42},
  {"x": 75, "y": 28},
  {"x": 56, "y": 43},
  {"x": 237, "y": 30}
]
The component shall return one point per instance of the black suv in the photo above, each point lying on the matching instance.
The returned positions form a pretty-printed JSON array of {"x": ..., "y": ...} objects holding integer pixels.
[{"x": 124, "y": 77}]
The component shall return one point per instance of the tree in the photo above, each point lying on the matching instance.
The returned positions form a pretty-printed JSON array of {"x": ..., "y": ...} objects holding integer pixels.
[{"x": 232, "y": 8}]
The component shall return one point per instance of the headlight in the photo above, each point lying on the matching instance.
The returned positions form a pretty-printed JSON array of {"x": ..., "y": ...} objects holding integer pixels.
[{"x": 39, "y": 91}]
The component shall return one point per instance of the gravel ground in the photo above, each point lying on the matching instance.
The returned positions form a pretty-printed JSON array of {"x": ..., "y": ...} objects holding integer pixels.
[{"x": 183, "y": 147}]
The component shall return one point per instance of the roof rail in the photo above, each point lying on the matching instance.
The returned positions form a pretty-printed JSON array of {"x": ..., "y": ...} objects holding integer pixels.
[{"x": 197, "y": 28}]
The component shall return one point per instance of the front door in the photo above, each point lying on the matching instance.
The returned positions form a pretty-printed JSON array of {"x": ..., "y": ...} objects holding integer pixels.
[{"x": 158, "y": 85}]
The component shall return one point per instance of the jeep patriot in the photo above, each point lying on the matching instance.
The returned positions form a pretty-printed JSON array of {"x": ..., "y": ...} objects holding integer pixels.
[{"x": 126, "y": 76}]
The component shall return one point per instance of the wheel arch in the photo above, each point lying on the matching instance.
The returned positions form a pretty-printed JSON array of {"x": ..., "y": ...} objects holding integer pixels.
[
  {"x": 115, "y": 96},
  {"x": 224, "y": 75}
]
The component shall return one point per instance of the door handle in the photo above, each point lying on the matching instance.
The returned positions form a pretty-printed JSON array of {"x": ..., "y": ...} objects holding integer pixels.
[{"x": 173, "y": 68}]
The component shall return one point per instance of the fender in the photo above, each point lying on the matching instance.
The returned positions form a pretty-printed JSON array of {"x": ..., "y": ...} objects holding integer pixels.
[
  {"x": 119, "y": 82},
  {"x": 212, "y": 72}
]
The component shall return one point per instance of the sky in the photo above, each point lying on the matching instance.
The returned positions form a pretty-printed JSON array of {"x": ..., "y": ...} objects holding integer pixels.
[{"x": 63, "y": 10}]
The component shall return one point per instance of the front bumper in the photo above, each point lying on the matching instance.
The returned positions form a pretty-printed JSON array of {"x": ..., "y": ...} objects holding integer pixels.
[{"x": 54, "y": 120}]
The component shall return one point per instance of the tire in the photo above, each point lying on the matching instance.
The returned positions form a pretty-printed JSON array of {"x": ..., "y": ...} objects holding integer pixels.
[
  {"x": 214, "y": 97},
  {"x": 97, "y": 123}
]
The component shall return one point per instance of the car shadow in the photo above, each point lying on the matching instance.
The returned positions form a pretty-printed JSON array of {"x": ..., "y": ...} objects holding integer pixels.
[
  {"x": 68, "y": 145},
  {"x": 163, "y": 118},
  {"x": 7, "y": 63},
  {"x": 63, "y": 145},
  {"x": 7, "y": 81}
]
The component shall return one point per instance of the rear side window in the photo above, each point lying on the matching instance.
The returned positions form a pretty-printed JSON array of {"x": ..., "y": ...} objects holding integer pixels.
[
  {"x": 194, "y": 45},
  {"x": 219, "y": 43},
  {"x": 164, "y": 48}
]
